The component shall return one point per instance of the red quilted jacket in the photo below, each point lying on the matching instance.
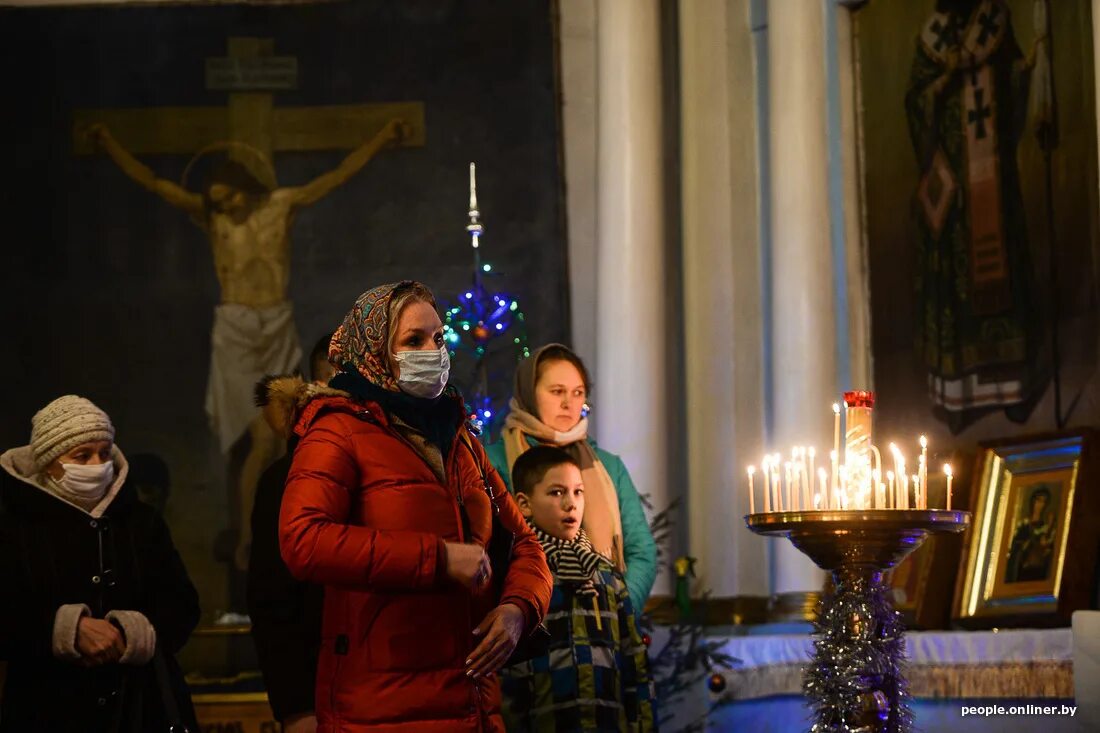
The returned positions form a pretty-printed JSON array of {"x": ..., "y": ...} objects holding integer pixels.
[{"x": 364, "y": 515}]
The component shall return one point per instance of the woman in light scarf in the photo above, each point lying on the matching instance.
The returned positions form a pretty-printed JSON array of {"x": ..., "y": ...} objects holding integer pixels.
[{"x": 549, "y": 407}]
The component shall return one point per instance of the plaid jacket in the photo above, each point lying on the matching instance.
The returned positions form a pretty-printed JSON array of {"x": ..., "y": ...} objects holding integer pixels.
[{"x": 593, "y": 677}]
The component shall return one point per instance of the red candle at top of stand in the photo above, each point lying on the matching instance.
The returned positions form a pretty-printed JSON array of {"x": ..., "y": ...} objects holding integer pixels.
[{"x": 859, "y": 399}]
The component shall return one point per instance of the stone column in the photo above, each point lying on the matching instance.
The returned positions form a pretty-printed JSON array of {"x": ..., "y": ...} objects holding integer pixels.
[
  {"x": 804, "y": 349},
  {"x": 577, "y": 57},
  {"x": 723, "y": 313},
  {"x": 630, "y": 395}
]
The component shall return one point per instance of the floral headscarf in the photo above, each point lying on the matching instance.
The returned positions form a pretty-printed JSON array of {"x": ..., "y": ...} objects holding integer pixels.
[{"x": 362, "y": 342}]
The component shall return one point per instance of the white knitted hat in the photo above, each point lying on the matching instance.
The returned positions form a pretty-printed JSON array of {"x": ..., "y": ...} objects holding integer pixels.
[{"x": 64, "y": 424}]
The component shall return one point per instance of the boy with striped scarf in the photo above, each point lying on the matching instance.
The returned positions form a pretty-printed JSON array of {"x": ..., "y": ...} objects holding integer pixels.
[{"x": 594, "y": 674}]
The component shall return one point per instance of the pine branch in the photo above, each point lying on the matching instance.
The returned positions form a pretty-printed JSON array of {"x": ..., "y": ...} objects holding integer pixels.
[{"x": 687, "y": 658}]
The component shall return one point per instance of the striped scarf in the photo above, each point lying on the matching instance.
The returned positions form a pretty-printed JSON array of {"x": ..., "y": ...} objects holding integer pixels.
[{"x": 573, "y": 563}]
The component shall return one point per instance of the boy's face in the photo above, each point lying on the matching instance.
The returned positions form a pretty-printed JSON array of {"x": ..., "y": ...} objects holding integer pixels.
[{"x": 556, "y": 503}]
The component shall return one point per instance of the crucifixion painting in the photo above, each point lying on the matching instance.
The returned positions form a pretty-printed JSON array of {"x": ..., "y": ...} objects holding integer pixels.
[{"x": 247, "y": 216}]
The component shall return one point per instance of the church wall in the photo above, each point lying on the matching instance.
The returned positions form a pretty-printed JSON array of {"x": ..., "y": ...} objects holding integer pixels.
[{"x": 108, "y": 292}]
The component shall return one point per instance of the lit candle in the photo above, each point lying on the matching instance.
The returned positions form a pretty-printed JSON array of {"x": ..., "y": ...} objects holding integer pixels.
[
  {"x": 922, "y": 482},
  {"x": 797, "y": 487},
  {"x": 787, "y": 473},
  {"x": 817, "y": 500},
  {"x": 777, "y": 485},
  {"x": 765, "y": 468},
  {"x": 752, "y": 507},
  {"x": 899, "y": 474},
  {"x": 922, "y": 468},
  {"x": 948, "y": 472},
  {"x": 892, "y": 496},
  {"x": 800, "y": 479},
  {"x": 805, "y": 480},
  {"x": 903, "y": 478},
  {"x": 878, "y": 459},
  {"x": 836, "y": 428},
  {"x": 876, "y": 482},
  {"x": 834, "y": 484},
  {"x": 811, "y": 474}
]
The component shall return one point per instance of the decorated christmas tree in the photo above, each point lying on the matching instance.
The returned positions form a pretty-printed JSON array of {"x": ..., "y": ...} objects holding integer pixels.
[{"x": 486, "y": 333}]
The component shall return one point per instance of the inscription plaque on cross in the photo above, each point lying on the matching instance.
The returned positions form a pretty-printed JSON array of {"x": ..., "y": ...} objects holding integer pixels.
[{"x": 250, "y": 117}]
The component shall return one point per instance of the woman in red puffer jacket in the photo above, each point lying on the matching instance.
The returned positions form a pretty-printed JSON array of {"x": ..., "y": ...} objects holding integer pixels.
[{"x": 386, "y": 506}]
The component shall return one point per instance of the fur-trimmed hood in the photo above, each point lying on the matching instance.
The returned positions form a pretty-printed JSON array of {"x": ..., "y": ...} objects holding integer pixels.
[{"x": 283, "y": 399}]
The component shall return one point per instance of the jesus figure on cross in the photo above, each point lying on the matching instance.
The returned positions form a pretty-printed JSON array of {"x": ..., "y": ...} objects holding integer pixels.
[{"x": 248, "y": 224}]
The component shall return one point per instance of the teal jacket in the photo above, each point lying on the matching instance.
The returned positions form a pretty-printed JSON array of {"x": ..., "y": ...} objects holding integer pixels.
[{"x": 639, "y": 549}]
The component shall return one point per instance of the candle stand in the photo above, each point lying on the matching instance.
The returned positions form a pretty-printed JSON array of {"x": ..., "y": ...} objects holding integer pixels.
[{"x": 856, "y": 681}]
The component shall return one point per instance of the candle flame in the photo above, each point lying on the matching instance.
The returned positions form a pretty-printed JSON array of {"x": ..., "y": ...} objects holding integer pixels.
[
  {"x": 947, "y": 469},
  {"x": 923, "y": 442},
  {"x": 836, "y": 408},
  {"x": 752, "y": 470}
]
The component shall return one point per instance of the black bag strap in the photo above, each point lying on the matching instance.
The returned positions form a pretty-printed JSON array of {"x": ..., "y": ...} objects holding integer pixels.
[{"x": 486, "y": 485}]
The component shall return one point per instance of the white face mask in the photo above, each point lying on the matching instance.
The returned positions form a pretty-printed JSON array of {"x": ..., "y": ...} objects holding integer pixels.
[
  {"x": 423, "y": 373},
  {"x": 87, "y": 481}
]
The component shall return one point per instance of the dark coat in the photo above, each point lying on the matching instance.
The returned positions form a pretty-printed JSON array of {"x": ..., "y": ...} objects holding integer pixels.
[
  {"x": 285, "y": 613},
  {"x": 53, "y": 553},
  {"x": 366, "y": 516}
]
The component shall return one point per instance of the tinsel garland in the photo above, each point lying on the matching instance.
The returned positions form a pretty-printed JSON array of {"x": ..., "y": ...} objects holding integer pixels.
[{"x": 855, "y": 682}]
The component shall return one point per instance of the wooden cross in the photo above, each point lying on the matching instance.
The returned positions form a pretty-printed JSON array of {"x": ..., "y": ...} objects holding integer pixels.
[{"x": 251, "y": 117}]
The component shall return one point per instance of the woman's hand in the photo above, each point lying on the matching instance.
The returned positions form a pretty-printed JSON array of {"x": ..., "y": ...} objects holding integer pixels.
[
  {"x": 500, "y": 630},
  {"x": 98, "y": 641},
  {"x": 468, "y": 565}
]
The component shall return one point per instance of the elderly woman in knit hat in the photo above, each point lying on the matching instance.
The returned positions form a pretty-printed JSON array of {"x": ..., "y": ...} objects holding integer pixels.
[
  {"x": 549, "y": 407},
  {"x": 389, "y": 504},
  {"x": 94, "y": 599}
]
